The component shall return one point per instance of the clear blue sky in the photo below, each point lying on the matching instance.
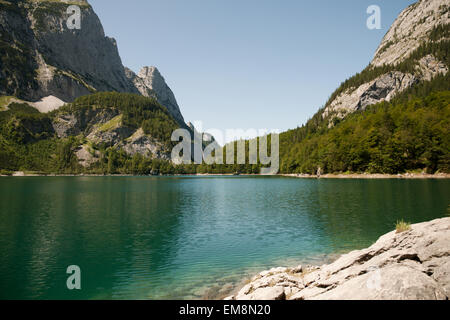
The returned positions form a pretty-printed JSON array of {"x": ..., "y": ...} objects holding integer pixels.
[{"x": 247, "y": 63}]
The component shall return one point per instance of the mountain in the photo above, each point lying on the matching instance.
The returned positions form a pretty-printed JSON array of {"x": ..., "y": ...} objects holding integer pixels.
[
  {"x": 411, "y": 51},
  {"x": 47, "y": 64},
  {"x": 68, "y": 105},
  {"x": 391, "y": 117}
]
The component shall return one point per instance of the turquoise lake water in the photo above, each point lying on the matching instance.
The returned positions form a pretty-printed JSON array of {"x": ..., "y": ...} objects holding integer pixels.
[{"x": 189, "y": 237}]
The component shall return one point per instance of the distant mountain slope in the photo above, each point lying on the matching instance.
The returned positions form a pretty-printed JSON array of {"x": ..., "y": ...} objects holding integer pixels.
[{"x": 46, "y": 63}]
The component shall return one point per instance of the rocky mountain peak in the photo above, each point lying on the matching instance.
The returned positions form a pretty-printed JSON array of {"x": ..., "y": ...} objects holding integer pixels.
[
  {"x": 156, "y": 82},
  {"x": 151, "y": 83},
  {"x": 150, "y": 73}
]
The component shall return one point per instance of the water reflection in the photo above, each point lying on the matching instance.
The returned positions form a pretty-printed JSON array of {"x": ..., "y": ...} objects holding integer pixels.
[{"x": 173, "y": 237}]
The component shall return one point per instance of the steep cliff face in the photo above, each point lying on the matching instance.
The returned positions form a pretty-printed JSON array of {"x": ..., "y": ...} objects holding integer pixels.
[
  {"x": 100, "y": 109},
  {"x": 46, "y": 63},
  {"x": 412, "y": 27},
  {"x": 407, "y": 55},
  {"x": 18, "y": 65},
  {"x": 84, "y": 55},
  {"x": 60, "y": 62}
]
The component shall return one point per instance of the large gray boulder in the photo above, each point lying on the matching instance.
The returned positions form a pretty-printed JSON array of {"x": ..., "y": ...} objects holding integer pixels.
[
  {"x": 390, "y": 283},
  {"x": 414, "y": 264}
]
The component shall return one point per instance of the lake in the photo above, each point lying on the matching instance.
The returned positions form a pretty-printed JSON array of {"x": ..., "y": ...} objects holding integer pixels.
[{"x": 189, "y": 237}]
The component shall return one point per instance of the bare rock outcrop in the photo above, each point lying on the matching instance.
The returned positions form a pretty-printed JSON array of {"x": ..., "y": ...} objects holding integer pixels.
[
  {"x": 111, "y": 137},
  {"x": 83, "y": 121},
  {"x": 140, "y": 143},
  {"x": 86, "y": 155},
  {"x": 150, "y": 83},
  {"x": 414, "y": 264},
  {"x": 383, "y": 88},
  {"x": 410, "y": 29}
]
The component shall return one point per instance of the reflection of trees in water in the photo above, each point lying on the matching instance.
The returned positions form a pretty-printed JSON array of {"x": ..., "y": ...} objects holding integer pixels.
[
  {"x": 356, "y": 212},
  {"x": 140, "y": 237}
]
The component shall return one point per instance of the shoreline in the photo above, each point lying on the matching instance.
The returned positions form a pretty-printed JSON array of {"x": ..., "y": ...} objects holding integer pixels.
[
  {"x": 370, "y": 176},
  {"x": 232, "y": 288},
  {"x": 288, "y": 175}
]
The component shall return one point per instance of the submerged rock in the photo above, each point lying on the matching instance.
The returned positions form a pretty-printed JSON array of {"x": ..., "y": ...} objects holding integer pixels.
[{"x": 410, "y": 265}]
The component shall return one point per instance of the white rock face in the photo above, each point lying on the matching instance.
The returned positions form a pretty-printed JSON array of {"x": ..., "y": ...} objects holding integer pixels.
[
  {"x": 393, "y": 285},
  {"x": 383, "y": 88},
  {"x": 150, "y": 83},
  {"x": 48, "y": 104},
  {"x": 140, "y": 143},
  {"x": 75, "y": 62},
  {"x": 429, "y": 67},
  {"x": 410, "y": 265},
  {"x": 410, "y": 29}
]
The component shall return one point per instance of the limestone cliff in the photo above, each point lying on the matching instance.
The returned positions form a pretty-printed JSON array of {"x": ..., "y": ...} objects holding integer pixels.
[
  {"x": 412, "y": 27},
  {"x": 48, "y": 64},
  {"x": 67, "y": 63}
]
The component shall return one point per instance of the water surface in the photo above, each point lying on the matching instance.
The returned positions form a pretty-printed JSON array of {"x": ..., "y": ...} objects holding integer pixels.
[{"x": 188, "y": 237}]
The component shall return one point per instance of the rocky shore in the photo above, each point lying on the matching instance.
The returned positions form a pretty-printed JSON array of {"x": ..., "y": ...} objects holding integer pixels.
[{"x": 409, "y": 265}]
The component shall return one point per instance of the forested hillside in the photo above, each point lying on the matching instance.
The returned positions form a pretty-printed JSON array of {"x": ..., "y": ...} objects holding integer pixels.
[
  {"x": 102, "y": 133},
  {"x": 408, "y": 134}
]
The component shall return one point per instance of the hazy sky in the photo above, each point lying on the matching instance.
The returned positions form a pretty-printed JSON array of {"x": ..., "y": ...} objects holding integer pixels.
[{"x": 247, "y": 63}]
